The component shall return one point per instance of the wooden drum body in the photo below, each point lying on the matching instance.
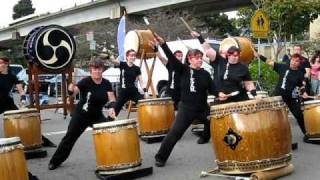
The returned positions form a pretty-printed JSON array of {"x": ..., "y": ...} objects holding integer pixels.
[
  {"x": 244, "y": 44},
  {"x": 251, "y": 136},
  {"x": 138, "y": 40},
  {"x": 155, "y": 116},
  {"x": 311, "y": 115},
  {"x": 24, "y": 124},
  {"x": 13, "y": 165},
  {"x": 117, "y": 145}
]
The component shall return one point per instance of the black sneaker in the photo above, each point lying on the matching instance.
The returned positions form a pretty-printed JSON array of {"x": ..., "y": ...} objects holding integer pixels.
[
  {"x": 310, "y": 141},
  {"x": 160, "y": 163},
  {"x": 202, "y": 140},
  {"x": 52, "y": 166}
]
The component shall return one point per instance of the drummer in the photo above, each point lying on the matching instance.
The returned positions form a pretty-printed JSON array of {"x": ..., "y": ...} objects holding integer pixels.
[
  {"x": 95, "y": 92},
  {"x": 290, "y": 77},
  {"x": 7, "y": 81},
  {"x": 173, "y": 84},
  {"x": 231, "y": 78},
  {"x": 129, "y": 74},
  {"x": 195, "y": 83}
]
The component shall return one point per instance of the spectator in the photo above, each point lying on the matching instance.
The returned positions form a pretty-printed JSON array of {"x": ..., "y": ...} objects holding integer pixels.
[
  {"x": 286, "y": 57},
  {"x": 315, "y": 74}
]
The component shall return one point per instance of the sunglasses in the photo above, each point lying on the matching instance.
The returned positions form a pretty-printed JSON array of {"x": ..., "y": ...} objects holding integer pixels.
[
  {"x": 196, "y": 56},
  {"x": 4, "y": 62},
  {"x": 234, "y": 54}
]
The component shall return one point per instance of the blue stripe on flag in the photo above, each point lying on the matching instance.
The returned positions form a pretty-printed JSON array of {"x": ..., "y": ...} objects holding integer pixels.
[{"x": 120, "y": 37}]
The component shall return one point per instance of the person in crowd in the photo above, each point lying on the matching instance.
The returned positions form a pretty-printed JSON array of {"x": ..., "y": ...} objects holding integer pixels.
[
  {"x": 95, "y": 92},
  {"x": 129, "y": 75},
  {"x": 195, "y": 83},
  {"x": 315, "y": 74},
  {"x": 286, "y": 57},
  {"x": 305, "y": 67}
]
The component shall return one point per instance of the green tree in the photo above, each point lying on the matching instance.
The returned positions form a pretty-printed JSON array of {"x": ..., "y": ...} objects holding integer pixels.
[
  {"x": 287, "y": 17},
  {"x": 22, "y": 8},
  {"x": 218, "y": 24}
]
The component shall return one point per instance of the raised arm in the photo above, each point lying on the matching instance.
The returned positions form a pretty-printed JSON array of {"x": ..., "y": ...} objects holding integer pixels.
[
  {"x": 176, "y": 64},
  {"x": 154, "y": 46},
  {"x": 209, "y": 51}
]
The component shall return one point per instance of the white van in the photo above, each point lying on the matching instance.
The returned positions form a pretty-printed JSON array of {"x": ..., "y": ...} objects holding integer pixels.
[{"x": 160, "y": 72}]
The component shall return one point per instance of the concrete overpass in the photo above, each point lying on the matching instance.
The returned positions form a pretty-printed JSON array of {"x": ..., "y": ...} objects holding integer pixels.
[{"x": 102, "y": 9}]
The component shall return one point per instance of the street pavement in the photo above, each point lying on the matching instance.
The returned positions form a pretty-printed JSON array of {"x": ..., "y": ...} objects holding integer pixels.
[{"x": 186, "y": 162}]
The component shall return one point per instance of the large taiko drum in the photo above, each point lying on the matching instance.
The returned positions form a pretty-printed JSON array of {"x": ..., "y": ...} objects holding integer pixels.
[
  {"x": 13, "y": 165},
  {"x": 24, "y": 124},
  {"x": 117, "y": 146},
  {"x": 50, "y": 47},
  {"x": 311, "y": 115},
  {"x": 155, "y": 116},
  {"x": 138, "y": 40},
  {"x": 244, "y": 44},
  {"x": 251, "y": 136}
]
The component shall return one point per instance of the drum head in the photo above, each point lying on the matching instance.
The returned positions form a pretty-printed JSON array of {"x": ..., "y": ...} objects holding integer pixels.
[
  {"x": 114, "y": 123},
  {"x": 155, "y": 100},
  {"x": 9, "y": 141},
  {"x": 50, "y": 47},
  {"x": 312, "y": 102},
  {"x": 227, "y": 43},
  {"x": 131, "y": 41},
  {"x": 20, "y": 111}
]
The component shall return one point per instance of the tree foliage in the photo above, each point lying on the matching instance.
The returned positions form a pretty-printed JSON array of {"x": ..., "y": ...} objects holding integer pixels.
[
  {"x": 218, "y": 24},
  {"x": 22, "y": 8},
  {"x": 287, "y": 17}
]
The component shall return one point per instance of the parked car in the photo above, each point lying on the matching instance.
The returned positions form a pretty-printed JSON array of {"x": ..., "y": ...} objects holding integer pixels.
[
  {"x": 54, "y": 83},
  {"x": 19, "y": 71}
]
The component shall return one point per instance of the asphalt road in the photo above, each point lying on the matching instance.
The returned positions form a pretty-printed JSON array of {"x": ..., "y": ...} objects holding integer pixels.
[{"x": 186, "y": 162}]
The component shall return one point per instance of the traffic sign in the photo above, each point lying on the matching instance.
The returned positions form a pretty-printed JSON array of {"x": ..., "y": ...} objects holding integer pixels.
[{"x": 260, "y": 24}]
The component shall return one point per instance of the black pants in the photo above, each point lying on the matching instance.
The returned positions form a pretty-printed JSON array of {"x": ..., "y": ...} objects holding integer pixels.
[
  {"x": 78, "y": 124},
  {"x": 294, "y": 106},
  {"x": 126, "y": 95},
  {"x": 183, "y": 120}
]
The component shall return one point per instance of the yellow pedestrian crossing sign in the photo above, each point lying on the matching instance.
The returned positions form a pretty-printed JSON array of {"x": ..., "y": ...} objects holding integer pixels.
[{"x": 260, "y": 25}]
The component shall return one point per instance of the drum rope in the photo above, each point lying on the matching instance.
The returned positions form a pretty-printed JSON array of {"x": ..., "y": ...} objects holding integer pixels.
[
  {"x": 114, "y": 129},
  {"x": 4, "y": 148},
  {"x": 20, "y": 116}
]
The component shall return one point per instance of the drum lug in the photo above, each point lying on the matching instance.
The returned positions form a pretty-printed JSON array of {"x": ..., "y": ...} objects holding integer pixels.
[{"x": 232, "y": 139}]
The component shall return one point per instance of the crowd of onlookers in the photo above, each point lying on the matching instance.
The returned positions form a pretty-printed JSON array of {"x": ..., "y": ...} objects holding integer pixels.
[{"x": 314, "y": 63}]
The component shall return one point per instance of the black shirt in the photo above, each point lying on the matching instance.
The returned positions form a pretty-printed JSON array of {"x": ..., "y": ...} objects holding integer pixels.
[
  {"x": 93, "y": 96},
  {"x": 288, "y": 79},
  {"x": 174, "y": 78},
  {"x": 128, "y": 75},
  {"x": 229, "y": 77},
  {"x": 7, "y": 81},
  {"x": 195, "y": 84}
]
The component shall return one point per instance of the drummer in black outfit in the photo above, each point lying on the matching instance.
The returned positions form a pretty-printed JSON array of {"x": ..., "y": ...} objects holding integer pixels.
[
  {"x": 290, "y": 85},
  {"x": 95, "y": 92},
  {"x": 129, "y": 74},
  {"x": 173, "y": 86},
  {"x": 229, "y": 74},
  {"x": 195, "y": 83},
  {"x": 7, "y": 81}
]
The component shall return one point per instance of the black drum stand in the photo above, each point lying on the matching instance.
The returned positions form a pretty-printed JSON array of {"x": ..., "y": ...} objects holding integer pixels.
[{"x": 129, "y": 174}]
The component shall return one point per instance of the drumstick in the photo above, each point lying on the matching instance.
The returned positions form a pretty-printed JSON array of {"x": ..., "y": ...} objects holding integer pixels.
[
  {"x": 186, "y": 24},
  {"x": 146, "y": 21},
  {"x": 233, "y": 93}
]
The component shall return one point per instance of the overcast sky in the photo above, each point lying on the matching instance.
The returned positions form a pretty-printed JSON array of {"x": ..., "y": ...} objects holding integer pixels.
[{"x": 41, "y": 6}]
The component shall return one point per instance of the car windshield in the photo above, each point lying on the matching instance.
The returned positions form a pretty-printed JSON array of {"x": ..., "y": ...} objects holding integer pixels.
[{"x": 15, "y": 70}]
